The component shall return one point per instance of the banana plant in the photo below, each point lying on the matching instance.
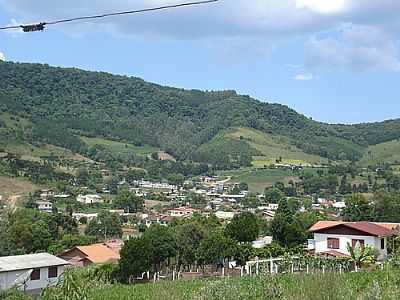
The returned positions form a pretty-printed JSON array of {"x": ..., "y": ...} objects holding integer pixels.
[{"x": 361, "y": 254}]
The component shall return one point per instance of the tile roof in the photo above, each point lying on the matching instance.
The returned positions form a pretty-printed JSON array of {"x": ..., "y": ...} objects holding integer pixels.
[
  {"x": 324, "y": 225},
  {"x": 375, "y": 229},
  {"x": 30, "y": 261},
  {"x": 333, "y": 253},
  {"x": 97, "y": 253}
]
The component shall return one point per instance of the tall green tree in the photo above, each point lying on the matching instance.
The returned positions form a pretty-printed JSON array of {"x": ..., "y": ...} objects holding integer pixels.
[
  {"x": 129, "y": 202},
  {"x": 106, "y": 225},
  {"x": 358, "y": 208},
  {"x": 243, "y": 228}
]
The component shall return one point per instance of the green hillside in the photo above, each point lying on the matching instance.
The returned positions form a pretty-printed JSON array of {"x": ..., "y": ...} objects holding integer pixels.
[
  {"x": 119, "y": 148},
  {"x": 60, "y": 105},
  {"x": 388, "y": 152},
  {"x": 273, "y": 147}
]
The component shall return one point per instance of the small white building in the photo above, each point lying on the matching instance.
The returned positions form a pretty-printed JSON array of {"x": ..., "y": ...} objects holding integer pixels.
[
  {"x": 45, "y": 206},
  {"x": 262, "y": 242},
  {"x": 77, "y": 216},
  {"x": 89, "y": 199},
  {"x": 30, "y": 273},
  {"x": 181, "y": 212},
  {"x": 331, "y": 238},
  {"x": 225, "y": 215}
]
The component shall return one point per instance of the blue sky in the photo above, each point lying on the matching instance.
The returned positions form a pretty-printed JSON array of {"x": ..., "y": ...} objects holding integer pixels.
[{"x": 333, "y": 60}]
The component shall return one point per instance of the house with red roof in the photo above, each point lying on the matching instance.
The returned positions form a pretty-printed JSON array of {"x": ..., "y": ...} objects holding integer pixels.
[
  {"x": 332, "y": 237},
  {"x": 82, "y": 256}
]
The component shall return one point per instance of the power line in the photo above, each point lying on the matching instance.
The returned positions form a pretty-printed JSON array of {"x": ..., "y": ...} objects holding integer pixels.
[{"x": 41, "y": 26}]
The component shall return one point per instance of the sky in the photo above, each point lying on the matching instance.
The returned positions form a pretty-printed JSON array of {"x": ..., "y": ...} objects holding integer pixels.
[{"x": 336, "y": 61}]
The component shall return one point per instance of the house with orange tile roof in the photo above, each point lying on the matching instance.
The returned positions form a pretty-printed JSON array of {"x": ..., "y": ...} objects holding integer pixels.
[
  {"x": 332, "y": 237},
  {"x": 82, "y": 256}
]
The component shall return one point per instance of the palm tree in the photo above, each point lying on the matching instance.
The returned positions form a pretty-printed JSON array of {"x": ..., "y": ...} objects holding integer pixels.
[{"x": 361, "y": 254}]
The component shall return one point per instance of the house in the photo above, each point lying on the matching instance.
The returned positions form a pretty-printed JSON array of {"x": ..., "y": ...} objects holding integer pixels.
[
  {"x": 225, "y": 215},
  {"x": 78, "y": 216},
  {"x": 162, "y": 220},
  {"x": 89, "y": 199},
  {"x": 181, "y": 212},
  {"x": 268, "y": 215},
  {"x": 45, "y": 206},
  {"x": 332, "y": 237},
  {"x": 30, "y": 273},
  {"x": 82, "y": 256},
  {"x": 45, "y": 194},
  {"x": 262, "y": 242}
]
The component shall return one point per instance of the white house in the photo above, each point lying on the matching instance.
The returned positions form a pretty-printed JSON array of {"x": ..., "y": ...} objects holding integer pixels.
[
  {"x": 45, "y": 206},
  {"x": 225, "y": 215},
  {"x": 31, "y": 272},
  {"x": 331, "y": 238},
  {"x": 181, "y": 212},
  {"x": 89, "y": 199}
]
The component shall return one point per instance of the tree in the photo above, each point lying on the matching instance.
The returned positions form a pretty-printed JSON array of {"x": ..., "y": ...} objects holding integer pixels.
[
  {"x": 361, "y": 254},
  {"x": 273, "y": 195},
  {"x": 243, "y": 228},
  {"x": 283, "y": 228},
  {"x": 215, "y": 248},
  {"x": 188, "y": 238},
  {"x": 128, "y": 202},
  {"x": 135, "y": 257},
  {"x": 250, "y": 202},
  {"x": 358, "y": 208},
  {"x": 243, "y": 186},
  {"x": 106, "y": 225},
  {"x": 135, "y": 174},
  {"x": 82, "y": 176},
  {"x": 162, "y": 243}
]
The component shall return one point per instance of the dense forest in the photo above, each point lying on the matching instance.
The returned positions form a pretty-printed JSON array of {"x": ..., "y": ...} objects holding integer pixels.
[{"x": 64, "y": 104}]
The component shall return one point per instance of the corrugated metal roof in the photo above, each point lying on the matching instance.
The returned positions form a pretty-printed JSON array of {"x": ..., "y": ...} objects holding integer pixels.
[{"x": 29, "y": 261}]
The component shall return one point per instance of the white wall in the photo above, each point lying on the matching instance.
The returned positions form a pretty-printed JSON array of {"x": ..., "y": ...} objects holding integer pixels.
[
  {"x": 321, "y": 244},
  {"x": 7, "y": 279}
]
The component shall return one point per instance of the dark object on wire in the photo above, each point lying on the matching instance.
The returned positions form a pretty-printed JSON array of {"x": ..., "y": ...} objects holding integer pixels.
[
  {"x": 41, "y": 26},
  {"x": 34, "y": 27}
]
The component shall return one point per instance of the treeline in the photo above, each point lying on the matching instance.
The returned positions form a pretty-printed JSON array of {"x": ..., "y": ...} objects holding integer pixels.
[
  {"x": 175, "y": 120},
  {"x": 29, "y": 231}
]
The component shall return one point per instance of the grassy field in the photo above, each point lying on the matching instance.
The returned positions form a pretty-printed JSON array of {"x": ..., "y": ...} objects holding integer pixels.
[
  {"x": 31, "y": 152},
  {"x": 119, "y": 148},
  {"x": 259, "y": 179},
  {"x": 273, "y": 147},
  {"x": 12, "y": 188},
  {"x": 350, "y": 286},
  {"x": 382, "y": 153}
]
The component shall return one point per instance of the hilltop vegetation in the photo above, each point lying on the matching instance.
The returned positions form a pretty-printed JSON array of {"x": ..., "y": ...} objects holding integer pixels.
[{"x": 58, "y": 106}]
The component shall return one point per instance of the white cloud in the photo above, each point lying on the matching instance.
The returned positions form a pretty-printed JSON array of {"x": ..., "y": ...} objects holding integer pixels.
[
  {"x": 323, "y": 6},
  {"x": 2, "y": 56},
  {"x": 243, "y": 28},
  {"x": 304, "y": 77},
  {"x": 358, "y": 48}
]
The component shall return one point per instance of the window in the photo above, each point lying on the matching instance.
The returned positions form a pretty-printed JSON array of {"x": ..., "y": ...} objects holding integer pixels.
[
  {"x": 333, "y": 243},
  {"x": 53, "y": 272},
  {"x": 35, "y": 275},
  {"x": 383, "y": 244},
  {"x": 354, "y": 243}
]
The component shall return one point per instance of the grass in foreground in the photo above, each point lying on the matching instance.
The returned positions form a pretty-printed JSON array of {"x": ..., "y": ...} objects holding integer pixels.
[{"x": 368, "y": 285}]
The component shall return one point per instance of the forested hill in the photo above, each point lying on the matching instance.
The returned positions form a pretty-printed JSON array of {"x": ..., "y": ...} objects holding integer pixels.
[{"x": 64, "y": 104}]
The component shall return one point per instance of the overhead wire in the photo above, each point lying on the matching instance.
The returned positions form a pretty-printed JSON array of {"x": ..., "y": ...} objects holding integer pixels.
[{"x": 40, "y": 26}]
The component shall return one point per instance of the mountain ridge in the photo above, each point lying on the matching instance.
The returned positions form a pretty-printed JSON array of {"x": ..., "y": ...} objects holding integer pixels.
[{"x": 63, "y": 103}]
